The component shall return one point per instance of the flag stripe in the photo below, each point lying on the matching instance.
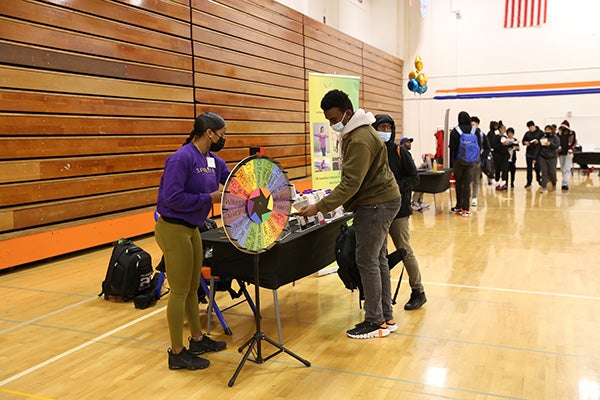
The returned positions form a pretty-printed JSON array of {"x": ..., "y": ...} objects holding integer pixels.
[{"x": 523, "y": 13}]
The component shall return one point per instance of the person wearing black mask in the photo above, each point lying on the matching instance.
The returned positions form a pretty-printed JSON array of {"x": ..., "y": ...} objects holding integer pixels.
[
  {"x": 188, "y": 189},
  {"x": 531, "y": 141},
  {"x": 404, "y": 169},
  {"x": 465, "y": 149}
]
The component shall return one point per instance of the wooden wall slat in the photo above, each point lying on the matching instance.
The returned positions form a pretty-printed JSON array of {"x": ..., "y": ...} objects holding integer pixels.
[
  {"x": 245, "y": 100},
  {"x": 30, "y": 124},
  {"x": 219, "y": 39},
  {"x": 56, "y": 103},
  {"x": 57, "y": 168},
  {"x": 217, "y": 55},
  {"x": 88, "y": 44},
  {"x": 57, "y": 189},
  {"x": 248, "y": 73},
  {"x": 78, "y": 22},
  {"x": 27, "y": 79},
  {"x": 233, "y": 85},
  {"x": 276, "y": 26},
  {"x": 36, "y": 57},
  {"x": 47, "y": 147},
  {"x": 173, "y": 21},
  {"x": 252, "y": 114},
  {"x": 67, "y": 210}
]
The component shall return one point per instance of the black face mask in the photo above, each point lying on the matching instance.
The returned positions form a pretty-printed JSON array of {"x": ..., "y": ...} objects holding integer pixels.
[{"x": 214, "y": 147}]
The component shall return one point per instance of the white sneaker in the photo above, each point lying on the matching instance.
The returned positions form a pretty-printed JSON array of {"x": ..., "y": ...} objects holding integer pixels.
[{"x": 474, "y": 201}]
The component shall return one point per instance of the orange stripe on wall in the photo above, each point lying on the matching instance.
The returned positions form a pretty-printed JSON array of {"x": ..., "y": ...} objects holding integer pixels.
[
  {"x": 40, "y": 246},
  {"x": 565, "y": 85},
  {"x": 36, "y": 247}
]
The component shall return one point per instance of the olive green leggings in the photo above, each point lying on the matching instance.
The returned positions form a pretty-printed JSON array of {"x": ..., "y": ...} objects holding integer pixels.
[{"x": 182, "y": 248}]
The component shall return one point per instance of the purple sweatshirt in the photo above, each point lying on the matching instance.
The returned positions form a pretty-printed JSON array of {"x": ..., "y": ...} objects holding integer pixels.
[{"x": 187, "y": 182}]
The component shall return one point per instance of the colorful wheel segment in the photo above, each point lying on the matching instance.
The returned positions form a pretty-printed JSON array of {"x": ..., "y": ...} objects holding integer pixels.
[{"x": 256, "y": 204}]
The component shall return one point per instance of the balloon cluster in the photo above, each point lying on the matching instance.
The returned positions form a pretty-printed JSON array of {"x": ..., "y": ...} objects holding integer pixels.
[{"x": 417, "y": 80}]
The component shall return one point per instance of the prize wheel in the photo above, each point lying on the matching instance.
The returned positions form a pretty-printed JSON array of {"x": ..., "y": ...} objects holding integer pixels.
[{"x": 256, "y": 204}]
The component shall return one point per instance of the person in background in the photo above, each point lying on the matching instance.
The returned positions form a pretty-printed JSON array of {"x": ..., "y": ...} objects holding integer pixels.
[
  {"x": 491, "y": 137},
  {"x": 417, "y": 203},
  {"x": 513, "y": 147},
  {"x": 568, "y": 141},
  {"x": 187, "y": 191},
  {"x": 485, "y": 151},
  {"x": 531, "y": 141},
  {"x": 461, "y": 159},
  {"x": 549, "y": 144},
  {"x": 501, "y": 156},
  {"x": 403, "y": 166},
  {"x": 367, "y": 188}
]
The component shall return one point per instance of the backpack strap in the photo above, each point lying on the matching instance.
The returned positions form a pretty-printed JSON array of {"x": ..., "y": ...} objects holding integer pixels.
[
  {"x": 398, "y": 151},
  {"x": 473, "y": 129},
  {"x": 457, "y": 127}
]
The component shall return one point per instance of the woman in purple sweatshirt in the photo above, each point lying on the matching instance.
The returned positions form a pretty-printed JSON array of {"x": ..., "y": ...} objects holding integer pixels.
[{"x": 188, "y": 188}]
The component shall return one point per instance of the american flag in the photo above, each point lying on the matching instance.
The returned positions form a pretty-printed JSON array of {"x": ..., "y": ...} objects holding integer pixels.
[{"x": 523, "y": 13}]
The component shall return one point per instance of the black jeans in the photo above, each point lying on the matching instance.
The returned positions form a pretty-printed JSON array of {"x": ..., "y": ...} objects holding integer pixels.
[
  {"x": 501, "y": 167},
  {"x": 533, "y": 166},
  {"x": 464, "y": 173}
]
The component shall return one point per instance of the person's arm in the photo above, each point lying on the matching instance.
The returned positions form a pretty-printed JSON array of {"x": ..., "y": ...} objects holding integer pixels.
[{"x": 356, "y": 161}]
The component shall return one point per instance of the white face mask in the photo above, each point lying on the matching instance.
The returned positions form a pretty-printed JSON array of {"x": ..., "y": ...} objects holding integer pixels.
[
  {"x": 385, "y": 136},
  {"x": 340, "y": 125}
]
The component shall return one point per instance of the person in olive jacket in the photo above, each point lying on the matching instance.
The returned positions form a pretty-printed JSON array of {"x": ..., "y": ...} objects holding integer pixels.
[{"x": 368, "y": 189}]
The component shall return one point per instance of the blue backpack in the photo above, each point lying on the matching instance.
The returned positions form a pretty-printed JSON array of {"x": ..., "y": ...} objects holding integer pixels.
[{"x": 468, "y": 148}]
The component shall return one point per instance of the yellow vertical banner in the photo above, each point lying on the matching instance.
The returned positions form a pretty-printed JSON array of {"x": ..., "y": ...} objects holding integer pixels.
[{"x": 324, "y": 141}]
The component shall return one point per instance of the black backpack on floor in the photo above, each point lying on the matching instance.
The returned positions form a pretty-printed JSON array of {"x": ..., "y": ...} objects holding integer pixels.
[
  {"x": 345, "y": 256},
  {"x": 129, "y": 272}
]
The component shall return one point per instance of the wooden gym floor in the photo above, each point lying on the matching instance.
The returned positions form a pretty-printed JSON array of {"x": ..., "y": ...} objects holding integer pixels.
[{"x": 513, "y": 313}]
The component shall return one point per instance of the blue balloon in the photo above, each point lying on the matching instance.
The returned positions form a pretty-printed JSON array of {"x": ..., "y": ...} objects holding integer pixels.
[
  {"x": 413, "y": 85},
  {"x": 423, "y": 89}
]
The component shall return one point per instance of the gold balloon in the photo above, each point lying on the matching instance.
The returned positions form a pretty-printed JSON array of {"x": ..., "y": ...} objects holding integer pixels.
[
  {"x": 418, "y": 63},
  {"x": 412, "y": 74},
  {"x": 422, "y": 79}
]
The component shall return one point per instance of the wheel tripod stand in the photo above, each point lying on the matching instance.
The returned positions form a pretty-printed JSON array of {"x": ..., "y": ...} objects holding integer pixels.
[{"x": 255, "y": 340}]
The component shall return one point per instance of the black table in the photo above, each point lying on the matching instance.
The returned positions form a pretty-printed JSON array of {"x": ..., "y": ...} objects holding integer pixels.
[
  {"x": 297, "y": 255},
  {"x": 434, "y": 182}
]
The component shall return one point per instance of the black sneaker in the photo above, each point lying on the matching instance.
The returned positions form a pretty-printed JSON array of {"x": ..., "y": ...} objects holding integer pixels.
[
  {"x": 455, "y": 210},
  {"x": 417, "y": 299},
  {"x": 186, "y": 360},
  {"x": 366, "y": 330},
  {"x": 205, "y": 345},
  {"x": 565, "y": 187}
]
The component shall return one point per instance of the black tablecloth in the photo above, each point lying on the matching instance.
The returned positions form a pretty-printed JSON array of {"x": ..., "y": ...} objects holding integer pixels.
[
  {"x": 586, "y": 158},
  {"x": 297, "y": 255}
]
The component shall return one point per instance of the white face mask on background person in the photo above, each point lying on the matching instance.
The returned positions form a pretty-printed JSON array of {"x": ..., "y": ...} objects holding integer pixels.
[{"x": 385, "y": 136}]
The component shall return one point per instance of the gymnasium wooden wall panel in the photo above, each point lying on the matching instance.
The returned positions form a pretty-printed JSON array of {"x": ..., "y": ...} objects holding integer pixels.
[{"x": 95, "y": 94}]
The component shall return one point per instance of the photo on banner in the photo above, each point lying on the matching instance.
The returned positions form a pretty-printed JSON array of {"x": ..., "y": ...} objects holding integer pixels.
[{"x": 324, "y": 141}]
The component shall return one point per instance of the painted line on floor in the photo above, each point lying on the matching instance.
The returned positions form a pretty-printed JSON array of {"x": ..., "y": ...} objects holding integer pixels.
[
  {"x": 81, "y": 346},
  {"x": 47, "y": 315},
  {"x": 493, "y": 289},
  {"x": 23, "y": 394}
]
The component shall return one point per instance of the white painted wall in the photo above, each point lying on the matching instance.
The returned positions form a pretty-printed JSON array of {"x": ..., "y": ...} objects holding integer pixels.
[{"x": 475, "y": 50}]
